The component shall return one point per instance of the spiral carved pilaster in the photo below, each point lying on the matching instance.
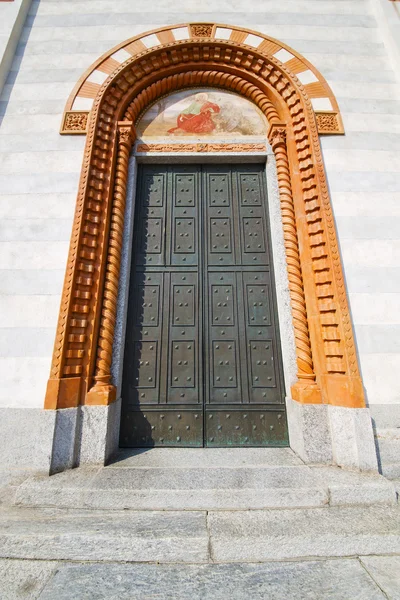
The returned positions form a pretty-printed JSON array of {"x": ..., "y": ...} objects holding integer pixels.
[
  {"x": 303, "y": 347},
  {"x": 102, "y": 377}
]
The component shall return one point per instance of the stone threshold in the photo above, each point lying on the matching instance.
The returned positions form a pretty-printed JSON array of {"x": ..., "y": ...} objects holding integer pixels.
[{"x": 205, "y": 480}]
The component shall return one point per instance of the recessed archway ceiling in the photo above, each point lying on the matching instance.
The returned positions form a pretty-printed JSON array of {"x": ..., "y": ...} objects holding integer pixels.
[{"x": 320, "y": 94}]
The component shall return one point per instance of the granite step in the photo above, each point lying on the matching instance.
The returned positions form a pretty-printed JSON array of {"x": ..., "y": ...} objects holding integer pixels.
[
  {"x": 334, "y": 579},
  {"x": 82, "y": 535},
  {"x": 150, "y": 482},
  {"x": 206, "y": 457},
  {"x": 198, "y": 537},
  {"x": 237, "y": 536},
  {"x": 389, "y": 453}
]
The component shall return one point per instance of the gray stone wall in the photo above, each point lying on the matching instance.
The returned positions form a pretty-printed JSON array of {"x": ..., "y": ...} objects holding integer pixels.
[
  {"x": 11, "y": 23},
  {"x": 39, "y": 169}
]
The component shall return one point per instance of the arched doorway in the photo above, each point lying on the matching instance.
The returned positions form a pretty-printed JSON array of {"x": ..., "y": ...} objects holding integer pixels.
[
  {"x": 142, "y": 70},
  {"x": 203, "y": 362}
]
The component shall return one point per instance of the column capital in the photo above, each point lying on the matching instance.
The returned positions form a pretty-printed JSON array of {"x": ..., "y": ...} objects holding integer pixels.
[
  {"x": 277, "y": 134},
  {"x": 126, "y": 132}
]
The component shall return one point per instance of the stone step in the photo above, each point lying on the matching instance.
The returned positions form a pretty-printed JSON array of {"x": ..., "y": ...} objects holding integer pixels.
[
  {"x": 99, "y": 535},
  {"x": 391, "y": 471},
  {"x": 205, "y": 488},
  {"x": 336, "y": 531},
  {"x": 389, "y": 453},
  {"x": 334, "y": 579},
  {"x": 207, "y": 457},
  {"x": 198, "y": 536}
]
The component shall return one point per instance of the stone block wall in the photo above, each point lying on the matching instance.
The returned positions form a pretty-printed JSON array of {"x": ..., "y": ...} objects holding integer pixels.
[{"x": 39, "y": 169}]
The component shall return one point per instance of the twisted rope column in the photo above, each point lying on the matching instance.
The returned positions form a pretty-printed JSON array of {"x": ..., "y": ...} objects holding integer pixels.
[
  {"x": 103, "y": 392},
  {"x": 305, "y": 390}
]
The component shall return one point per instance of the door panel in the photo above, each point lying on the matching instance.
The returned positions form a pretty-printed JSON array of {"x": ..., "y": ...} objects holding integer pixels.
[
  {"x": 222, "y": 340},
  {"x": 219, "y": 217},
  {"x": 163, "y": 314},
  {"x": 202, "y": 358},
  {"x": 184, "y": 189},
  {"x": 183, "y": 340}
]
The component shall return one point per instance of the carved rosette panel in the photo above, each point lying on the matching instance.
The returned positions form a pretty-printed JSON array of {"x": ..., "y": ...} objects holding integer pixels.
[
  {"x": 145, "y": 77},
  {"x": 202, "y": 30},
  {"x": 75, "y": 122},
  {"x": 329, "y": 123}
]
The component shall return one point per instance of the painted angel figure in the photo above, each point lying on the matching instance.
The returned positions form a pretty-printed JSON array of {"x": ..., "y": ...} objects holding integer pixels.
[{"x": 197, "y": 117}]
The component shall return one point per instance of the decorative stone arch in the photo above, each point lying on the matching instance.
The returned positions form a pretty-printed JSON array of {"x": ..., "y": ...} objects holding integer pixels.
[
  {"x": 247, "y": 63},
  {"x": 81, "y": 99}
]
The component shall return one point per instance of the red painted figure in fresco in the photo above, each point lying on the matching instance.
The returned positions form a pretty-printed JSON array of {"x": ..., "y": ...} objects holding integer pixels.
[{"x": 197, "y": 118}]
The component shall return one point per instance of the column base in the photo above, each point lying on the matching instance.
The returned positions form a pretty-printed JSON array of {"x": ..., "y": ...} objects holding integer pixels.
[
  {"x": 86, "y": 435},
  {"x": 66, "y": 439},
  {"x": 353, "y": 442},
  {"x": 99, "y": 433},
  {"x": 101, "y": 395},
  {"x": 306, "y": 393},
  {"x": 309, "y": 432},
  {"x": 325, "y": 434}
]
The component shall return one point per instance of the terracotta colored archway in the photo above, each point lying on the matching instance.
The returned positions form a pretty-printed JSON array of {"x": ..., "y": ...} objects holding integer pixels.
[{"x": 326, "y": 359}]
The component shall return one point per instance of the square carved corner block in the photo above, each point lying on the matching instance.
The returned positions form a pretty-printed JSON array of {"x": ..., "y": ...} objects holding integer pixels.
[
  {"x": 201, "y": 30},
  {"x": 329, "y": 122},
  {"x": 75, "y": 122}
]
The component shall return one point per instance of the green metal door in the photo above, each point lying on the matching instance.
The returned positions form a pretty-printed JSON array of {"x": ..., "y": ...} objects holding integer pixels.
[{"x": 202, "y": 355}]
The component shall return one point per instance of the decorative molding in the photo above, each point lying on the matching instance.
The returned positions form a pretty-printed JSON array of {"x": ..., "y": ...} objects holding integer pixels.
[
  {"x": 329, "y": 123},
  {"x": 75, "y": 122},
  {"x": 199, "y": 147},
  {"x": 82, "y": 356},
  {"x": 305, "y": 390},
  {"x": 181, "y": 35},
  {"x": 103, "y": 392}
]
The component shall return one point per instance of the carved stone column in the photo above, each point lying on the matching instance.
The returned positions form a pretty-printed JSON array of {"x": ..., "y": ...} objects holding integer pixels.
[
  {"x": 305, "y": 390},
  {"x": 103, "y": 392}
]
